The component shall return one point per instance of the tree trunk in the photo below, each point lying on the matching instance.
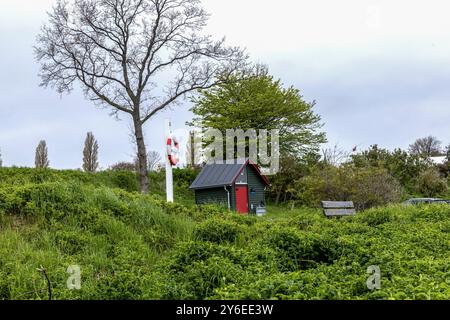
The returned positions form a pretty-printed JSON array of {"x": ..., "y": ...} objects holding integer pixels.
[
  {"x": 277, "y": 200},
  {"x": 142, "y": 156}
]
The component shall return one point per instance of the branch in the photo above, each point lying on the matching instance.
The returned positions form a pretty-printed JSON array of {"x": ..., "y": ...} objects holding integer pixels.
[
  {"x": 172, "y": 99},
  {"x": 49, "y": 284}
]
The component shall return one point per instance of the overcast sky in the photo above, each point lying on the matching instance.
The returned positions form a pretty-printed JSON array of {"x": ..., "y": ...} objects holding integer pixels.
[{"x": 379, "y": 71}]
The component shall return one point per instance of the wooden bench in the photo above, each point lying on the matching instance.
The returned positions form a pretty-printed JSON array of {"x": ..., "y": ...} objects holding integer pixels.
[{"x": 338, "y": 208}]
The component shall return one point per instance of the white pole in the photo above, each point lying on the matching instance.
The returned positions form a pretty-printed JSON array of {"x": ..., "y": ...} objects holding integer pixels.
[{"x": 169, "y": 174}]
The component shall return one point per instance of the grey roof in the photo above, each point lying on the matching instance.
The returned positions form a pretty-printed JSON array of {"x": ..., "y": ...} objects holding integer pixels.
[{"x": 217, "y": 175}]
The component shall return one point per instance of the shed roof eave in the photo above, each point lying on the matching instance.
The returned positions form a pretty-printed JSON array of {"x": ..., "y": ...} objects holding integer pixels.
[{"x": 211, "y": 187}]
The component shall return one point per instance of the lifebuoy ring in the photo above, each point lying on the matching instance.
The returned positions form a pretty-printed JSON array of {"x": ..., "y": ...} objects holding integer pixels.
[{"x": 173, "y": 150}]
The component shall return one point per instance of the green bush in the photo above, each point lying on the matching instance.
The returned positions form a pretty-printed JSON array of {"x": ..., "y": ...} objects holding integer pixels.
[
  {"x": 375, "y": 217},
  {"x": 71, "y": 242},
  {"x": 217, "y": 230},
  {"x": 134, "y": 246},
  {"x": 125, "y": 180},
  {"x": 430, "y": 183},
  {"x": 299, "y": 250},
  {"x": 367, "y": 187}
]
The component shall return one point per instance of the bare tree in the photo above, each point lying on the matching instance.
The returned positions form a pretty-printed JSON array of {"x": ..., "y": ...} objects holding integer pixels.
[
  {"x": 429, "y": 147},
  {"x": 190, "y": 150},
  {"x": 90, "y": 153},
  {"x": 41, "y": 158},
  {"x": 124, "y": 166},
  {"x": 335, "y": 156},
  {"x": 116, "y": 48},
  {"x": 154, "y": 159}
]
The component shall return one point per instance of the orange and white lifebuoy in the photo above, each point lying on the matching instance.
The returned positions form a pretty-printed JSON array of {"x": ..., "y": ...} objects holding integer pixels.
[{"x": 173, "y": 150}]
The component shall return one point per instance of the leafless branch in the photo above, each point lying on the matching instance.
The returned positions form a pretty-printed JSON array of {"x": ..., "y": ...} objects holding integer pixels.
[
  {"x": 113, "y": 48},
  {"x": 120, "y": 51}
]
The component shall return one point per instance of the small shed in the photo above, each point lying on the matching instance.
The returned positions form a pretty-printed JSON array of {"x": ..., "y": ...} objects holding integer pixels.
[{"x": 239, "y": 186}]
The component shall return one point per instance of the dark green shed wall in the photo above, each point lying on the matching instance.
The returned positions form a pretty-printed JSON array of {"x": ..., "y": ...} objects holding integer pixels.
[
  {"x": 220, "y": 196},
  {"x": 216, "y": 195},
  {"x": 233, "y": 198},
  {"x": 257, "y": 184}
]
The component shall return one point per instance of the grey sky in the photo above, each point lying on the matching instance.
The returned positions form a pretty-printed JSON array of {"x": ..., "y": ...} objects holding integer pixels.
[{"x": 379, "y": 71}]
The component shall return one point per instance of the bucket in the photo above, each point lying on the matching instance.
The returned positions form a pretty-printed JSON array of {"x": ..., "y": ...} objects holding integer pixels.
[{"x": 260, "y": 211}]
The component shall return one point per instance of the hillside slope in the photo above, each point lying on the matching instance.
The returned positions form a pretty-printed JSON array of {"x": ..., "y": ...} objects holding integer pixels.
[{"x": 131, "y": 246}]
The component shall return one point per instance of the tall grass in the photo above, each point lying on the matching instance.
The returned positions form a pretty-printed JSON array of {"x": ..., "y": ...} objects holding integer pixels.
[
  {"x": 133, "y": 246},
  {"x": 116, "y": 237}
]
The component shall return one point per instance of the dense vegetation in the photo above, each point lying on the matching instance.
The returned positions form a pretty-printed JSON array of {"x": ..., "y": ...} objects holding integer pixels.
[
  {"x": 371, "y": 178},
  {"x": 133, "y": 246}
]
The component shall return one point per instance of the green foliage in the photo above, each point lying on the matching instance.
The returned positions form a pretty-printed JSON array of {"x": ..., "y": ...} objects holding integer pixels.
[
  {"x": 403, "y": 166},
  {"x": 217, "y": 230},
  {"x": 134, "y": 246},
  {"x": 283, "y": 185},
  {"x": 260, "y": 102},
  {"x": 367, "y": 186},
  {"x": 183, "y": 178},
  {"x": 124, "y": 180},
  {"x": 430, "y": 183},
  {"x": 20, "y": 176},
  {"x": 299, "y": 250}
]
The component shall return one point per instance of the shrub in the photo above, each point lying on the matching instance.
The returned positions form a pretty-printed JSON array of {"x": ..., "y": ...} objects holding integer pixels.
[
  {"x": 134, "y": 246},
  {"x": 375, "y": 217},
  {"x": 125, "y": 180},
  {"x": 430, "y": 183},
  {"x": 367, "y": 187},
  {"x": 124, "y": 166},
  {"x": 203, "y": 277},
  {"x": 187, "y": 253},
  {"x": 71, "y": 242},
  {"x": 185, "y": 177},
  {"x": 299, "y": 250},
  {"x": 375, "y": 187},
  {"x": 217, "y": 230}
]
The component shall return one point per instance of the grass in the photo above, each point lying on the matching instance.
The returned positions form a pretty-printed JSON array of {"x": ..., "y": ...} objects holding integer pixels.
[{"x": 132, "y": 246}]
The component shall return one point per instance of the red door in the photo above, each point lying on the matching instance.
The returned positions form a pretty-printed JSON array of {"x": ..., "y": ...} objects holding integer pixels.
[{"x": 242, "y": 199}]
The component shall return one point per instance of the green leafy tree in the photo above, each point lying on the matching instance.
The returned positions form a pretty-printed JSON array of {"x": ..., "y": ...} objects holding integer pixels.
[
  {"x": 404, "y": 166},
  {"x": 260, "y": 102},
  {"x": 283, "y": 185}
]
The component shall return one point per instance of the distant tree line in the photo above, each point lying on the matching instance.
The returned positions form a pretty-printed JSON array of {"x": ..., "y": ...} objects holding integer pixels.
[
  {"x": 90, "y": 157},
  {"x": 308, "y": 175},
  {"x": 372, "y": 177}
]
